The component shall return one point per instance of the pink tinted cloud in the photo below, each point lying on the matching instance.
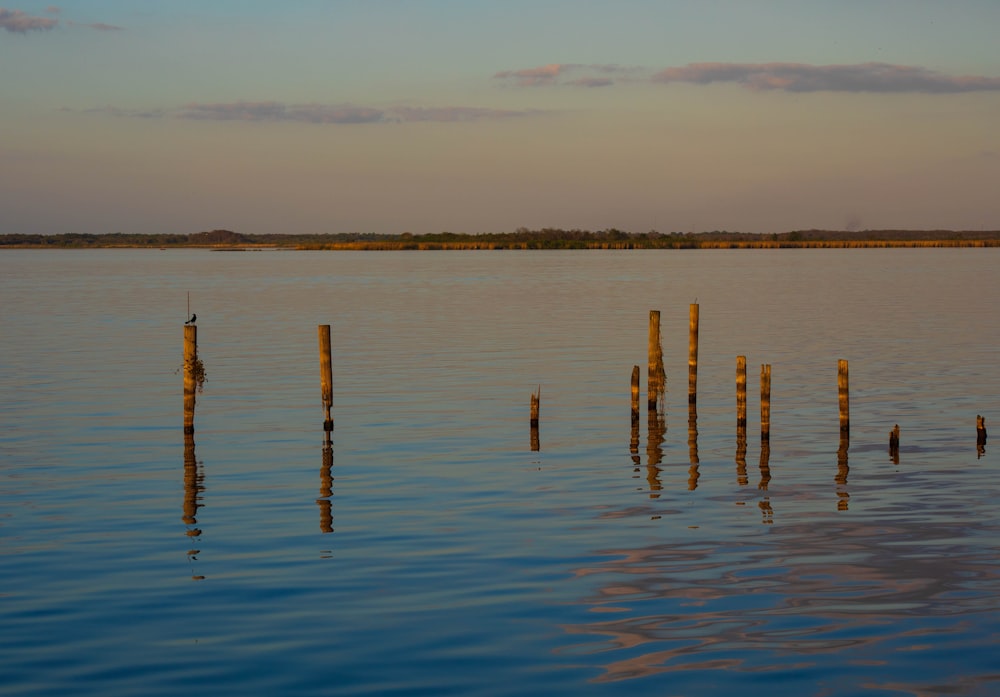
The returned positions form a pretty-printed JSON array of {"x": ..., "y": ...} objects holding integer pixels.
[
  {"x": 454, "y": 113},
  {"x": 273, "y": 111},
  {"x": 554, "y": 73},
  {"x": 17, "y": 22},
  {"x": 801, "y": 77},
  {"x": 99, "y": 26},
  {"x": 277, "y": 111}
]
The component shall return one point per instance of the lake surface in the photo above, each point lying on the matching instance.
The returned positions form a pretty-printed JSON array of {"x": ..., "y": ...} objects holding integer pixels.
[{"x": 431, "y": 550}]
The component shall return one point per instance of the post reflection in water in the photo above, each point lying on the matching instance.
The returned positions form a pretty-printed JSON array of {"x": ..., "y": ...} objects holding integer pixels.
[
  {"x": 326, "y": 487},
  {"x": 194, "y": 485},
  {"x": 693, "y": 446},
  {"x": 657, "y": 424},
  {"x": 765, "y": 477},
  {"x": 741, "y": 457},
  {"x": 842, "y": 471}
]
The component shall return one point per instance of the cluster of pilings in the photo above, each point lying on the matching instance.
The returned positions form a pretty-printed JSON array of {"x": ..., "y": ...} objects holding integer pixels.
[{"x": 656, "y": 390}]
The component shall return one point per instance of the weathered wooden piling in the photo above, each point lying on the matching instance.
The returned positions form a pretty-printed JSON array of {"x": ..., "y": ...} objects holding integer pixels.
[
  {"x": 842, "y": 390},
  {"x": 980, "y": 430},
  {"x": 635, "y": 395},
  {"x": 536, "y": 398},
  {"x": 326, "y": 375},
  {"x": 190, "y": 375},
  {"x": 765, "y": 403},
  {"x": 693, "y": 354},
  {"x": 656, "y": 377},
  {"x": 894, "y": 440},
  {"x": 741, "y": 395},
  {"x": 741, "y": 421}
]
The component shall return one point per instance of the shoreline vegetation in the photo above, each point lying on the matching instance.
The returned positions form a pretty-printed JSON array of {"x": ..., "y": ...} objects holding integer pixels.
[{"x": 522, "y": 238}]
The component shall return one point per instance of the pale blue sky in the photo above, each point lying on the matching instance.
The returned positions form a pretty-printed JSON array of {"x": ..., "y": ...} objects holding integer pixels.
[{"x": 392, "y": 116}]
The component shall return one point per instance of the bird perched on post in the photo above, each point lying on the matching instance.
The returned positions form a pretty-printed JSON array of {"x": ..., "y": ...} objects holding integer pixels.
[{"x": 194, "y": 318}]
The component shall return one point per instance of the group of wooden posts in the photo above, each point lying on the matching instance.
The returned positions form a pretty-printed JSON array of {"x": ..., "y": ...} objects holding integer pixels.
[{"x": 656, "y": 378}]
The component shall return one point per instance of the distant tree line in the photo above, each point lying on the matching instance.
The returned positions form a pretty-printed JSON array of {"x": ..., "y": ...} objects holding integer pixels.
[{"x": 521, "y": 238}]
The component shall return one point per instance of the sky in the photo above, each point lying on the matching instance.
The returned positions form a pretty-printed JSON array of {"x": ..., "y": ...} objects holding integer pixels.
[{"x": 391, "y": 116}]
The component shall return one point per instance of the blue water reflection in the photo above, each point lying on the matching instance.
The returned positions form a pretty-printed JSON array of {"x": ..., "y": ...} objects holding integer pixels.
[{"x": 428, "y": 547}]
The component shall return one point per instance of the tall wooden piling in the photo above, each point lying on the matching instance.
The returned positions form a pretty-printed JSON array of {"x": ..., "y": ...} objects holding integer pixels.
[
  {"x": 693, "y": 354},
  {"x": 741, "y": 421},
  {"x": 326, "y": 375},
  {"x": 765, "y": 403},
  {"x": 656, "y": 378},
  {"x": 842, "y": 391},
  {"x": 536, "y": 398},
  {"x": 635, "y": 395},
  {"x": 190, "y": 375}
]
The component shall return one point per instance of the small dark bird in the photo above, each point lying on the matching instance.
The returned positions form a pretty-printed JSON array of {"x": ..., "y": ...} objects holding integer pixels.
[{"x": 194, "y": 318}]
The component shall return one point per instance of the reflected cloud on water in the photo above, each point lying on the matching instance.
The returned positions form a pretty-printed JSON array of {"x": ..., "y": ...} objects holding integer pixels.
[{"x": 805, "y": 597}]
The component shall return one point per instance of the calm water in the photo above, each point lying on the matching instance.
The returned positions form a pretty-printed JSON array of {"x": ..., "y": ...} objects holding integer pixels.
[{"x": 447, "y": 557}]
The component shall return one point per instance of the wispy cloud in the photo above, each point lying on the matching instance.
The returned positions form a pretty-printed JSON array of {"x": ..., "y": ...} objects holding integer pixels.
[
  {"x": 277, "y": 111},
  {"x": 273, "y": 111},
  {"x": 788, "y": 77},
  {"x": 454, "y": 113},
  {"x": 802, "y": 77},
  {"x": 17, "y": 22},
  {"x": 558, "y": 73},
  {"x": 99, "y": 26}
]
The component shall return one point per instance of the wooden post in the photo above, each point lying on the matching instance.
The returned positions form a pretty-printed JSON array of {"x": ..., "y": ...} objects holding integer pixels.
[
  {"x": 635, "y": 395},
  {"x": 980, "y": 430},
  {"x": 536, "y": 398},
  {"x": 656, "y": 377},
  {"x": 741, "y": 395},
  {"x": 842, "y": 390},
  {"x": 693, "y": 354},
  {"x": 741, "y": 421},
  {"x": 326, "y": 375},
  {"x": 765, "y": 403},
  {"x": 190, "y": 375}
]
